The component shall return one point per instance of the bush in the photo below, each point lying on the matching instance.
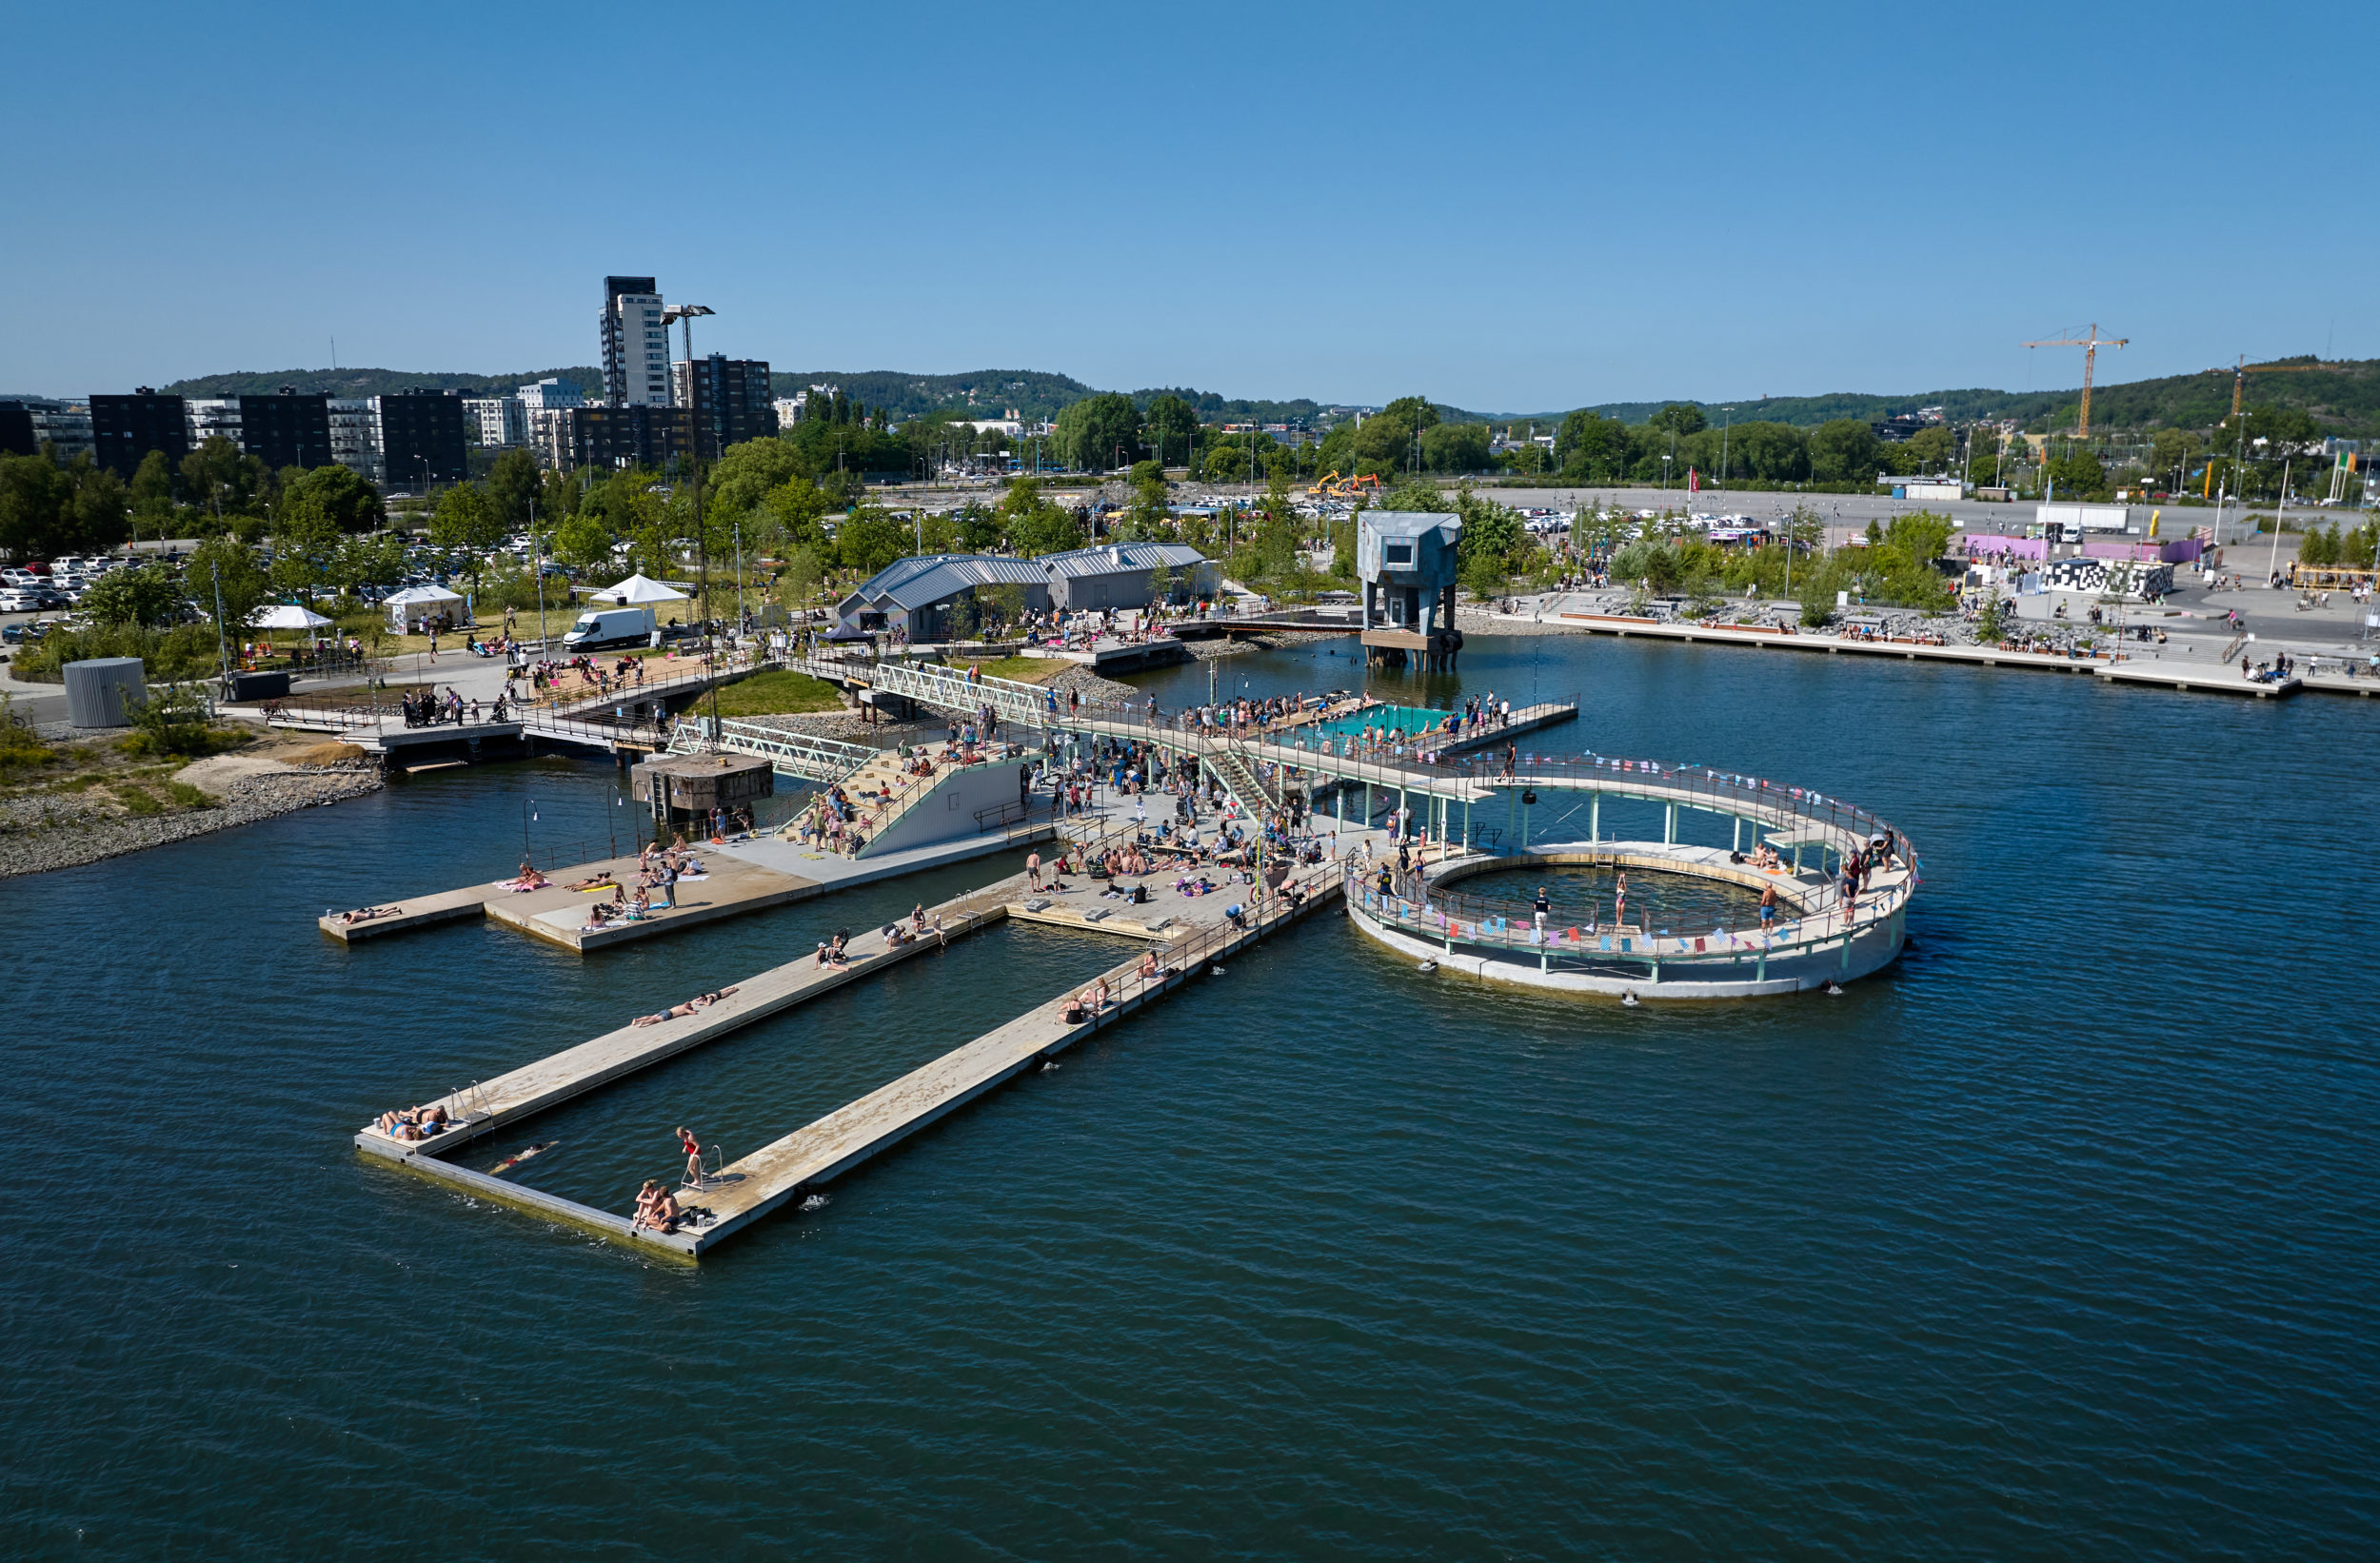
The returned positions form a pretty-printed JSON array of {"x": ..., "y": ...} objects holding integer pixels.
[
  {"x": 186, "y": 651},
  {"x": 21, "y": 747},
  {"x": 174, "y": 721}
]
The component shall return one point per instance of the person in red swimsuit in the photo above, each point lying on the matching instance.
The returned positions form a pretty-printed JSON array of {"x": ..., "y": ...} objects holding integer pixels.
[{"x": 693, "y": 1149}]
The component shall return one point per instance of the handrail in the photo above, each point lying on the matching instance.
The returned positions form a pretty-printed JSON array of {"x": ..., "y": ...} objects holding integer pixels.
[{"x": 1437, "y": 919}]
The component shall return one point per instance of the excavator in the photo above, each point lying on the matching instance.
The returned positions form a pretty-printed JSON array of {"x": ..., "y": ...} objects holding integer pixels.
[{"x": 1322, "y": 484}]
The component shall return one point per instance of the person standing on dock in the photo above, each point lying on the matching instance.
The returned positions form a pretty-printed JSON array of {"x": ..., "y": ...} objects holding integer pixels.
[
  {"x": 1544, "y": 909},
  {"x": 693, "y": 1149}
]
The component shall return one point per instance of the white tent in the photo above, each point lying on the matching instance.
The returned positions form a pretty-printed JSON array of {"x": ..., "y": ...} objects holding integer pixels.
[
  {"x": 285, "y": 616},
  {"x": 636, "y": 588},
  {"x": 419, "y": 602}
]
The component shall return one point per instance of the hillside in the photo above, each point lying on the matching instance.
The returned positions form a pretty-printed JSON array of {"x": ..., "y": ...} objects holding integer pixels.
[
  {"x": 373, "y": 382},
  {"x": 2343, "y": 396}
]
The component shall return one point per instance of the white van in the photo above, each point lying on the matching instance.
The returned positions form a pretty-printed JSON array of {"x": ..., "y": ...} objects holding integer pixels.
[{"x": 599, "y": 628}]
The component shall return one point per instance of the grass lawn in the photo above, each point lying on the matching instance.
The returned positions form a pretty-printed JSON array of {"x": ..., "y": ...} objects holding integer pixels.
[
  {"x": 779, "y": 693},
  {"x": 1019, "y": 669}
]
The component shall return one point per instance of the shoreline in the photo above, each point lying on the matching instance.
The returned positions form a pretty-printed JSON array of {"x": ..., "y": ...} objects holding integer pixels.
[{"x": 40, "y": 841}]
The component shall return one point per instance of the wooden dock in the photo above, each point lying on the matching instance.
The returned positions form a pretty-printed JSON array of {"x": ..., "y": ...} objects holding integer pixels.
[
  {"x": 2155, "y": 672},
  {"x": 728, "y": 887},
  {"x": 746, "y": 1190}
]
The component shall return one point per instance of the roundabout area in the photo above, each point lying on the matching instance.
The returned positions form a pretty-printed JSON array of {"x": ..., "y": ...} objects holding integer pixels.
[{"x": 1820, "y": 899}]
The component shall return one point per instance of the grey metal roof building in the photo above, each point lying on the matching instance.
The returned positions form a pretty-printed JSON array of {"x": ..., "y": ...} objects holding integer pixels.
[{"x": 916, "y": 594}]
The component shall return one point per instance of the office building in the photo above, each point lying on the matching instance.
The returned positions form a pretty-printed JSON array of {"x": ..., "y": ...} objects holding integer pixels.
[
  {"x": 612, "y": 438},
  {"x": 288, "y": 430},
  {"x": 126, "y": 428},
  {"x": 16, "y": 430},
  {"x": 729, "y": 399},
  {"x": 551, "y": 393},
  {"x": 29, "y": 423},
  {"x": 496, "y": 421},
  {"x": 789, "y": 409},
  {"x": 421, "y": 439},
  {"x": 355, "y": 424},
  {"x": 636, "y": 345}
]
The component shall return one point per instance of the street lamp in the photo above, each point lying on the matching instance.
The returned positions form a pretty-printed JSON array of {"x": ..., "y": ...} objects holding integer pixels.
[{"x": 685, "y": 314}]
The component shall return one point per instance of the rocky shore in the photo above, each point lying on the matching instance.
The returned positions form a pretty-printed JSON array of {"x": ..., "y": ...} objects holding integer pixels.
[{"x": 46, "y": 831}]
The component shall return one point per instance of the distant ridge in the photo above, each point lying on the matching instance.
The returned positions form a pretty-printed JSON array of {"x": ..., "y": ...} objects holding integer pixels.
[{"x": 2343, "y": 396}]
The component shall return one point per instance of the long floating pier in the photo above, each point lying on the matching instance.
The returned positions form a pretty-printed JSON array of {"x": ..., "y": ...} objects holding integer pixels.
[
  {"x": 747, "y": 1189},
  {"x": 2156, "y": 672}
]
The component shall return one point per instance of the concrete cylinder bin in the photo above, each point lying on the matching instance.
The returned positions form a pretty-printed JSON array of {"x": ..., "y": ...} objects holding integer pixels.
[{"x": 101, "y": 692}]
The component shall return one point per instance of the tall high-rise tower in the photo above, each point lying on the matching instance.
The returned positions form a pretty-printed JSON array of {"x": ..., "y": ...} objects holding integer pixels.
[{"x": 636, "y": 345}]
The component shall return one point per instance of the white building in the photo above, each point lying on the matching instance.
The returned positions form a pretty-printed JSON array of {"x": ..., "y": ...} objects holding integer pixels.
[
  {"x": 550, "y": 394},
  {"x": 204, "y": 417},
  {"x": 636, "y": 344},
  {"x": 789, "y": 410},
  {"x": 502, "y": 420},
  {"x": 550, "y": 437},
  {"x": 355, "y": 435}
]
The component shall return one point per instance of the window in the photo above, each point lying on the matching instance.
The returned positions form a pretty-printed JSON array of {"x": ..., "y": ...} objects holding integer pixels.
[{"x": 1396, "y": 553}]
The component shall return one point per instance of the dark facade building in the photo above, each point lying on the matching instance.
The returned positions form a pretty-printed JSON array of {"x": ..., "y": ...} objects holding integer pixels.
[
  {"x": 611, "y": 438},
  {"x": 288, "y": 429},
  {"x": 730, "y": 400},
  {"x": 421, "y": 438},
  {"x": 126, "y": 428},
  {"x": 16, "y": 430}
]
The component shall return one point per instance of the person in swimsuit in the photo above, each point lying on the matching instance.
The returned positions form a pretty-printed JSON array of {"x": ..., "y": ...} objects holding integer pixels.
[{"x": 693, "y": 1149}]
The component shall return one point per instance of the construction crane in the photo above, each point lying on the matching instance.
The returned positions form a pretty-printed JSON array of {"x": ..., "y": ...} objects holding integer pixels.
[
  {"x": 2241, "y": 370},
  {"x": 2090, "y": 345}
]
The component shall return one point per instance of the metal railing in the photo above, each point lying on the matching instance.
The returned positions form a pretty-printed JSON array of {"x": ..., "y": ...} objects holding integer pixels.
[
  {"x": 1508, "y": 931},
  {"x": 808, "y": 756}
]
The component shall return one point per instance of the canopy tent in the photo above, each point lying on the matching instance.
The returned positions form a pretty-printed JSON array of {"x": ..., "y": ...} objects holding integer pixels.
[
  {"x": 636, "y": 588},
  {"x": 420, "y": 603},
  {"x": 285, "y": 616}
]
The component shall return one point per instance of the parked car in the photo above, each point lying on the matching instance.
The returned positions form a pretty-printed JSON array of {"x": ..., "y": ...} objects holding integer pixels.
[{"x": 18, "y": 601}]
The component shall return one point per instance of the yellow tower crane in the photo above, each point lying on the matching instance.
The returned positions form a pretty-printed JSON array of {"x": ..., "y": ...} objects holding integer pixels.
[
  {"x": 2241, "y": 370},
  {"x": 2090, "y": 345}
]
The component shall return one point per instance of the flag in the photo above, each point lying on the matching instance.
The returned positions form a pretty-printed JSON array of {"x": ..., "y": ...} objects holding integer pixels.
[{"x": 1693, "y": 482}]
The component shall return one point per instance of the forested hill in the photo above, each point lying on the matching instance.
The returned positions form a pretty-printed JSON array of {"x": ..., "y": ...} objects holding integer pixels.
[
  {"x": 376, "y": 381},
  {"x": 2344, "y": 396}
]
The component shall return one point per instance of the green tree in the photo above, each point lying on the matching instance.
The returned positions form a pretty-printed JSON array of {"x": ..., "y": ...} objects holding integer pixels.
[
  {"x": 1456, "y": 448},
  {"x": 869, "y": 539},
  {"x": 514, "y": 486},
  {"x": 331, "y": 500},
  {"x": 146, "y": 596},
  {"x": 366, "y": 560},
  {"x": 1100, "y": 432},
  {"x": 34, "y": 495},
  {"x": 1385, "y": 442},
  {"x": 585, "y": 539},
  {"x": 229, "y": 567},
  {"x": 2077, "y": 475},
  {"x": 466, "y": 521},
  {"x": 152, "y": 494},
  {"x": 1033, "y": 524},
  {"x": 1845, "y": 450},
  {"x": 1680, "y": 418},
  {"x": 1171, "y": 425},
  {"x": 1927, "y": 451},
  {"x": 1226, "y": 463}
]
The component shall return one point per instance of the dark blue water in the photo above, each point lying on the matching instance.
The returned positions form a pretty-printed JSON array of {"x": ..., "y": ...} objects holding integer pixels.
[{"x": 2056, "y": 1241}]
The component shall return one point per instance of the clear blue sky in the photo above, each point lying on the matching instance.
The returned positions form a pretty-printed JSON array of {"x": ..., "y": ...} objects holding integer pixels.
[{"x": 1513, "y": 208}]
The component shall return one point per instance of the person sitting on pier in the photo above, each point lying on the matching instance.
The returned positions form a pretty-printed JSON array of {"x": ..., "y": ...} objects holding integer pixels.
[
  {"x": 657, "y": 1208},
  {"x": 598, "y": 916},
  {"x": 895, "y": 935},
  {"x": 1151, "y": 969}
]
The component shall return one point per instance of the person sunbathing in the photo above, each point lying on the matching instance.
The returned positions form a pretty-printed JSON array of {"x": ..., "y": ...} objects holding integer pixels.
[
  {"x": 599, "y": 880},
  {"x": 365, "y": 914},
  {"x": 677, "y": 1012}
]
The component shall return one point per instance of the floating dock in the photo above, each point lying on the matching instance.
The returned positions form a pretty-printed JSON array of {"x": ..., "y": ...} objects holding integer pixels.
[
  {"x": 2156, "y": 672},
  {"x": 744, "y": 1191}
]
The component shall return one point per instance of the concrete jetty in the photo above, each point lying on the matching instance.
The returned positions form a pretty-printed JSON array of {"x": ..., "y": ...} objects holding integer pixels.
[{"x": 558, "y": 915}]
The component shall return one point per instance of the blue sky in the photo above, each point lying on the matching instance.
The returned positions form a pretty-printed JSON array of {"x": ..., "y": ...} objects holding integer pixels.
[{"x": 1520, "y": 208}]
